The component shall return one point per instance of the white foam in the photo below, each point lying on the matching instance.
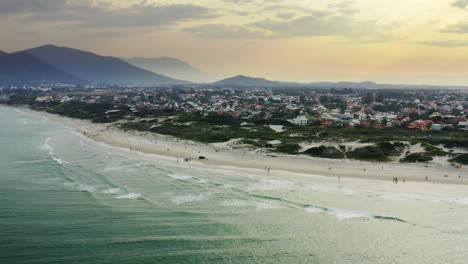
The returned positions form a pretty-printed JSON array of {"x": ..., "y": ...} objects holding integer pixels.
[
  {"x": 268, "y": 185},
  {"x": 112, "y": 191},
  {"x": 346, "y": 214},
  {"x": 28, "y": 161},
  {"x": 60, "y": 161},
  {"x": 82, "y": 187},
  {"x": 203, "y": 181},
  {"x": 188, "y": 198},
  {"x": 266, "y": 205},
  {"x": 47, "y": 147},
  {"x": 341, "y": 214},
  {"x": 130, "y": 196},
  {"x": 180, "y": 176},
  {"x": 235, "y": 203},
  {"x": 227, "y": 186}
]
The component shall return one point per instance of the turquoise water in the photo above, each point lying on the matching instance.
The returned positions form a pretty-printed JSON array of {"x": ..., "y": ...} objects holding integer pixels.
[{"x": 64, "y": 199}]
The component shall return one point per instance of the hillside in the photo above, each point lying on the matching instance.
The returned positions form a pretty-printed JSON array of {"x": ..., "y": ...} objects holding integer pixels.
[
  {"x": 244, "y": 81},
  {"x": 22, "y": 68},
  {"x": 99, "y": 69}
]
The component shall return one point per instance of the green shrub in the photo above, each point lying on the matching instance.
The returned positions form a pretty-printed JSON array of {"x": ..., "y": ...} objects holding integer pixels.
[
  {"x": 369, "y": 153},
  {"x": 288, "y": 148},
  {"x": 391, "y": 149},
  {"x": 416, "y": 157},
  {"x": 325, "y": 152},
  {"x": 463, "y": 159}
]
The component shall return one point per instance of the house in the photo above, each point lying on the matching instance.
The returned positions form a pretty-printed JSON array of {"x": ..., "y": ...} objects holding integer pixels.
[
  {"x": 272, "y": 143},
  {"x": 463, "y": 125},
  {"x": 300, "y": 121},
  {"x": 437, "y": 127}
]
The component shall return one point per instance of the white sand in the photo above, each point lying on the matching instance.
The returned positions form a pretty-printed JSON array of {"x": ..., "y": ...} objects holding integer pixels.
[{"x": 222, "y": 155}]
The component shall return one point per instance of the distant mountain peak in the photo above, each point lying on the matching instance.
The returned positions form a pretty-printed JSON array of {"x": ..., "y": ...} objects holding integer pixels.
[
  {"x": 48, "y": 46},
  {"x": 23, "y": 68},
  {"x": 243, "y": 81},
  {"x": 99, "y": 69},
  {"x": 245, "y": 77}
]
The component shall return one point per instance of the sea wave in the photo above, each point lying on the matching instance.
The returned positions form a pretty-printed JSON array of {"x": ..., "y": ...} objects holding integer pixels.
[
  {"x": 130, "y": 196},
  {"x": 60, "y": 161},
  {"x": 343, "y": 214},
  {"x": 180, "y": 176},
  {"x": 265, "y": 205},
  {"x": 189, "y": 198},
  {"x": 47, "y": 147},
  {"x": 27, "y": 161}
]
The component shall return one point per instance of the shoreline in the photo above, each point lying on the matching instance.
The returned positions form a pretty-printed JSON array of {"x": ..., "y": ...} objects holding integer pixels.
[{"x": 222, "y": 156}]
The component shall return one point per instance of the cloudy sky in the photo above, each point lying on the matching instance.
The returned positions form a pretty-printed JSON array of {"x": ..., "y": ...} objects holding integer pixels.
[{"x": 391, "y": 41}]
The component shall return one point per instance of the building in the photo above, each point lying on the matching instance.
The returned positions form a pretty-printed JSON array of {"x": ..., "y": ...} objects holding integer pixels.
[
  {"x": 300, "y": 121},
  {"x": 463, "y": 126}
]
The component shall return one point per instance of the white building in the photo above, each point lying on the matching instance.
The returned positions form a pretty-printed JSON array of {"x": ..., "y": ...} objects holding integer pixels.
[
  {"x": 300, "y": 121},
  {"x": 463, "y": 125}
]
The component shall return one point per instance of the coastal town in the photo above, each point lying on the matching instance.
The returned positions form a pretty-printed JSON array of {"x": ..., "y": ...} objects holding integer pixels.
[
  {"x": 410, "y": 126},
  {"x": 352, "y": 108}
]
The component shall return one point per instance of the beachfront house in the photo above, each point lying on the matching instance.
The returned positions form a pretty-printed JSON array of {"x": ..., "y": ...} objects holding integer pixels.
[{"x": 463, "y": 126}]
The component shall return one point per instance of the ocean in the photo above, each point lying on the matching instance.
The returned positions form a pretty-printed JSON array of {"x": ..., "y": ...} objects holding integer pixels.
[{"x": 65, "y": 199}]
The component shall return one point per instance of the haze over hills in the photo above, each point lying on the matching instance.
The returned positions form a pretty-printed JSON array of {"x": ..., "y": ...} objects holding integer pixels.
[
  {"x": 22, "y": 67},
  {"x": 99, "y": 69},
  {"x": 242, "y": 81},
  {"x": 2, "y": 53},
  {"x": 171, "y": 67}
]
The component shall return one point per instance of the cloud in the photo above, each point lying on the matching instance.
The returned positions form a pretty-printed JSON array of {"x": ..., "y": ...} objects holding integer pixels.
[
  {"x": 296, "y": 22},
  {"x": 286, "y": 15},
  {"x": 460, "y": 3},
  {"x": 222, "y": 31},
  {"x": 345, "y": 8},
  {"x": 443, "y": 43},
  {"x": 460, "y": 28},
  {"x": 320, "y": 24},
  {"x": 19, "y": 6},
  {"x": 85, "y": 13}
]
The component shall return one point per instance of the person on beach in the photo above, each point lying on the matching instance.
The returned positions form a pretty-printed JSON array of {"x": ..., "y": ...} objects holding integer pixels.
[{"x": 268, "y": 170}]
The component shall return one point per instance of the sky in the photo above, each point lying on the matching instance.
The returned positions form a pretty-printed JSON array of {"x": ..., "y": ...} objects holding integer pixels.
[{"x": 386, "y": 41}]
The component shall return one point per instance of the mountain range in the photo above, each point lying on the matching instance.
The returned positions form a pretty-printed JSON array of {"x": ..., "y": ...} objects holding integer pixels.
[
  {"x": 60, "y": 63},
  {"x": 51, "y": 64},
  {"x": 242, "y": 81},
  {"x": 22, "y": 67}
]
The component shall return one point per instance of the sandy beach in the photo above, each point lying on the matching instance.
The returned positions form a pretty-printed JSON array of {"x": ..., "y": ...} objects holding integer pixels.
[{"x": 223, "y": 155}]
